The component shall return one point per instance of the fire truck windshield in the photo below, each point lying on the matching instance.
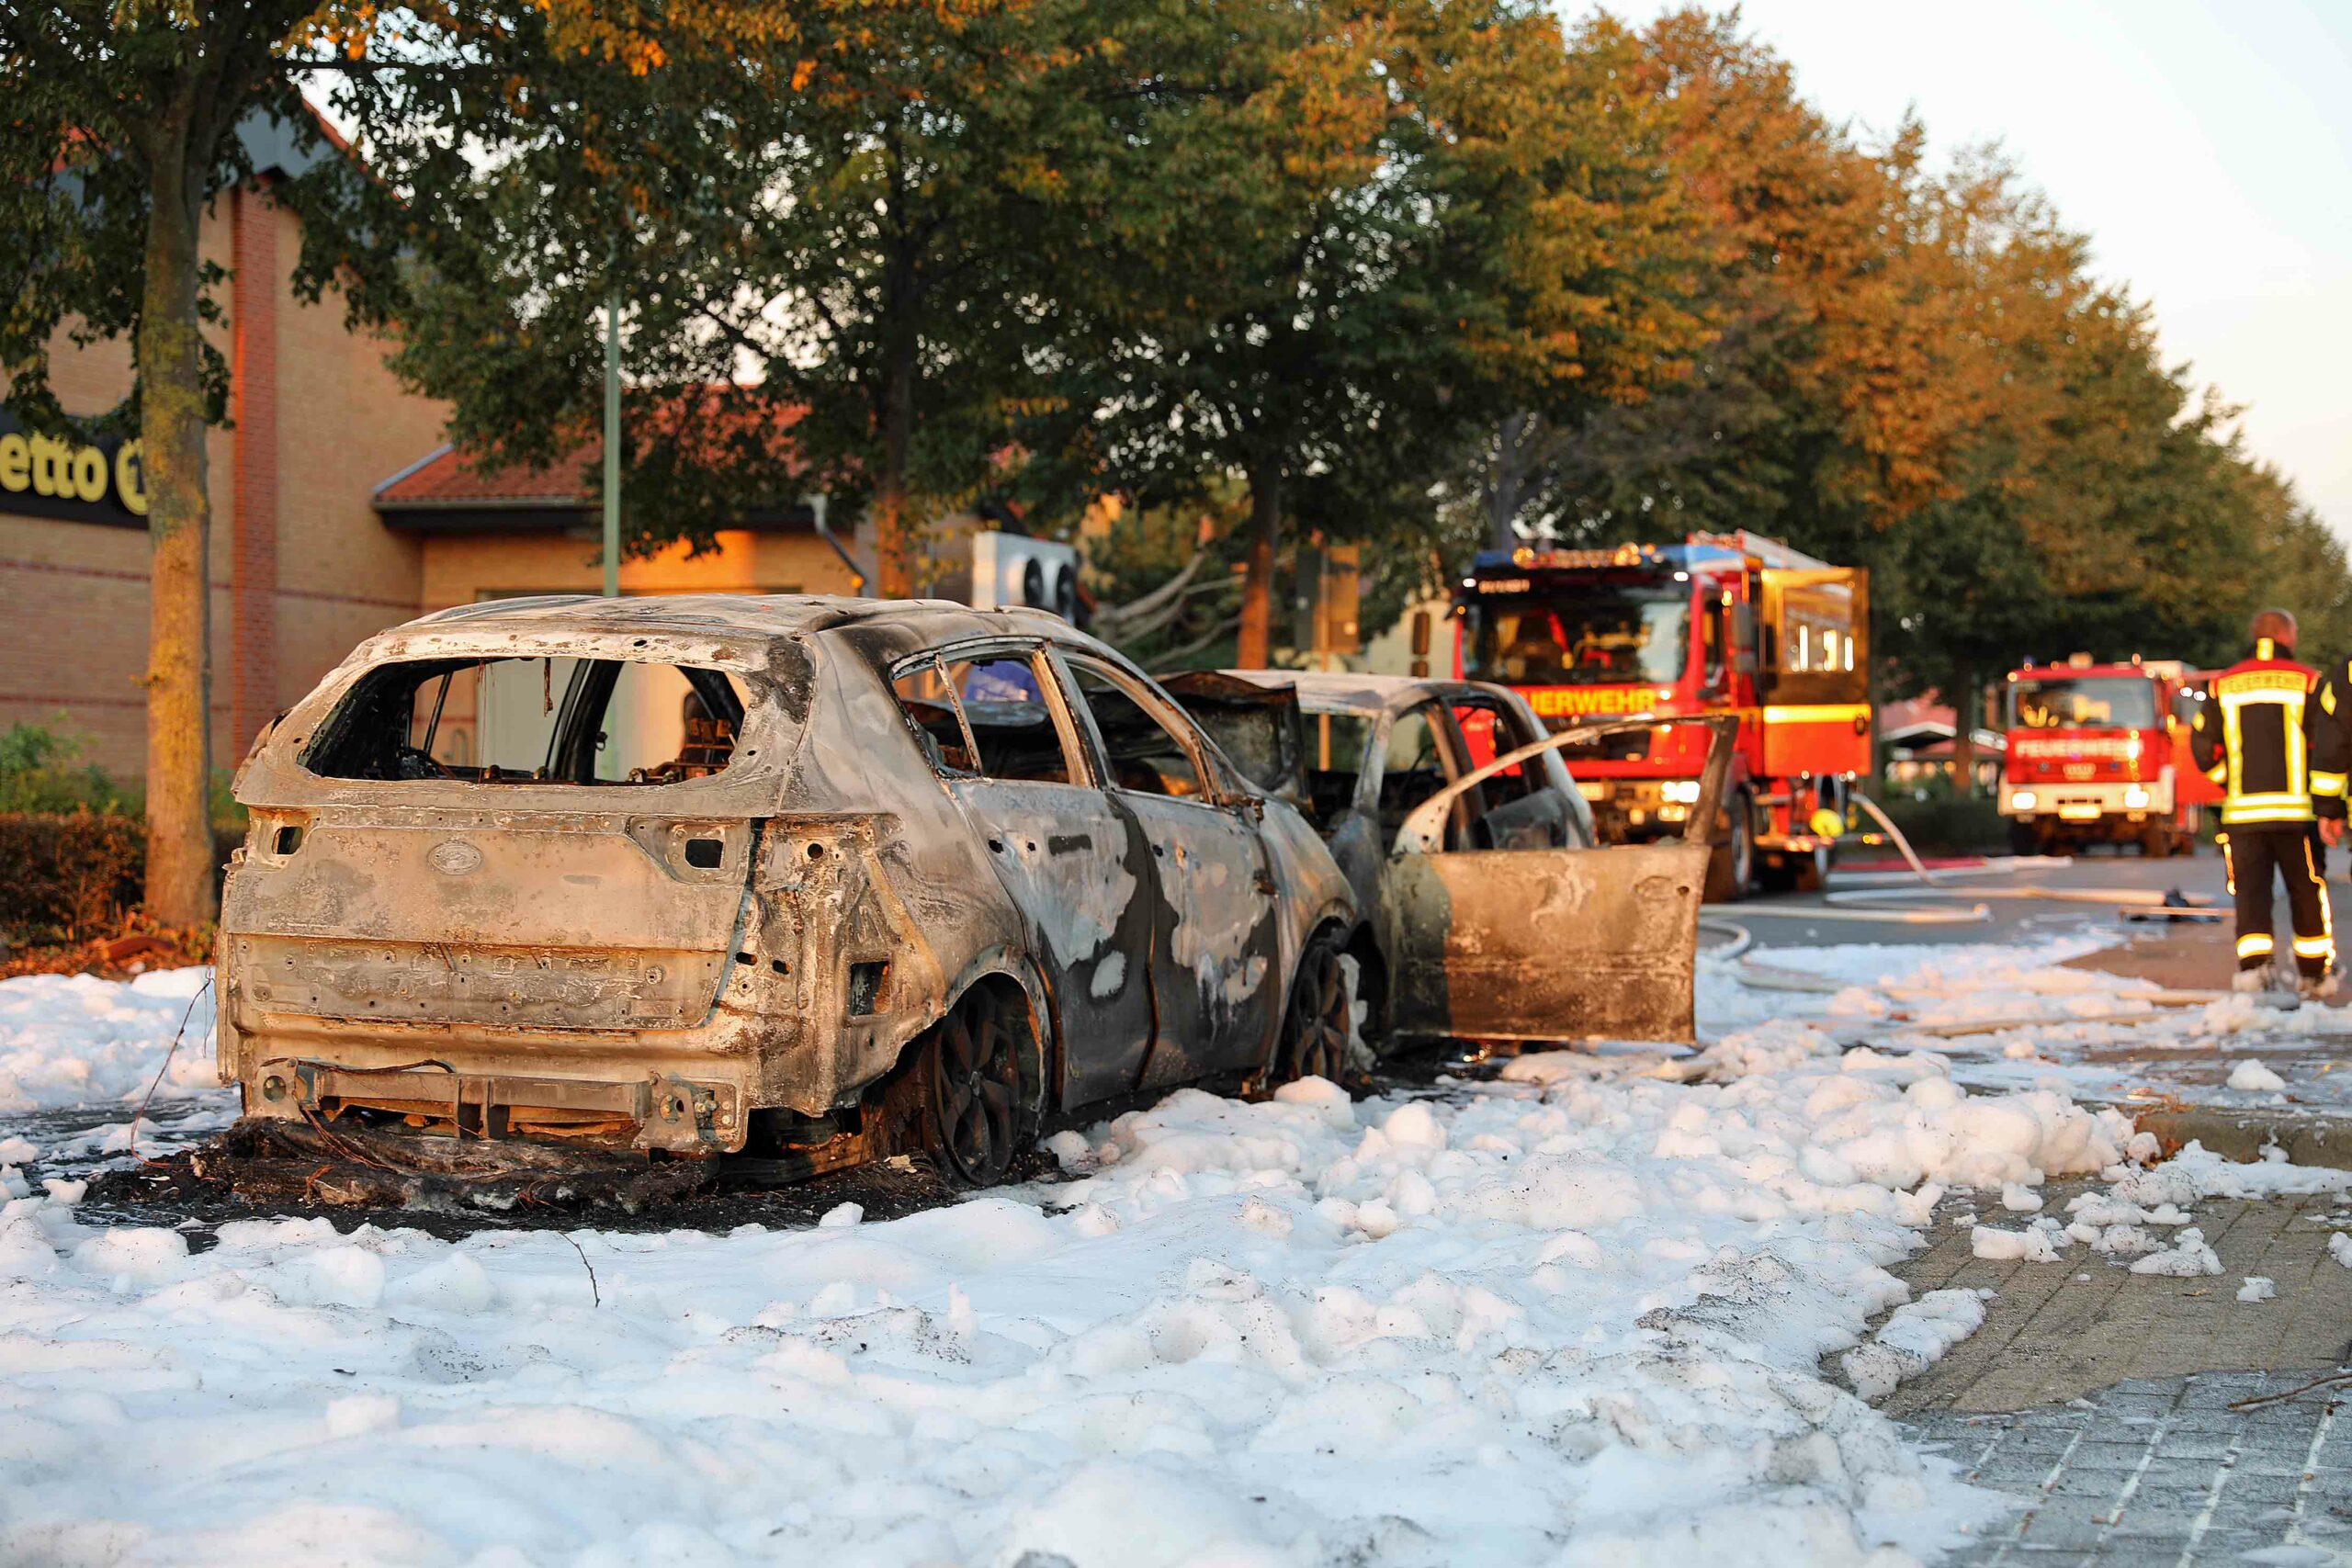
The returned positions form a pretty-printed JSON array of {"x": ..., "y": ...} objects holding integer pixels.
[
  {"x": 1585, "y": 634},
  {"x": 2084, "y": 702}
]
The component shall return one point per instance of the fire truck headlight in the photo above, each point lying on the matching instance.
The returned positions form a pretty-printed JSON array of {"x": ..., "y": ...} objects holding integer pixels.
[
  {"x": 2135, "y": 799},
  {"x": 1683, "y": 792},
  {"x": 2023, "y": 800}
]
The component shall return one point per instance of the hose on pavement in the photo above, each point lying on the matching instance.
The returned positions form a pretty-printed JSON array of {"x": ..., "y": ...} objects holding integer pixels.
[{"x": 1886, "y": 905}]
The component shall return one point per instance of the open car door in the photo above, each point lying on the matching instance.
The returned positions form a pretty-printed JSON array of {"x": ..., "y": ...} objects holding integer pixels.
[
  {"x": 1257, "y": 728},
  {"x": 1548, "y": 944}
]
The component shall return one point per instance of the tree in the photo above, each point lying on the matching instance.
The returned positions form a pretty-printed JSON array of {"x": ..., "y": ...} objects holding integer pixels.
[
  {"x": 832, "y": 233},
  {"x": 124, "y": 124},
  {"x": 1913, "y": 371},
  {"x": 1422, "y": 215},
  {"x": 127, "y": 117}
]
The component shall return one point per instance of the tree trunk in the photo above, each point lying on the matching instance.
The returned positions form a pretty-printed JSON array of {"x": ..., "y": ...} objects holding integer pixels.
[
  {"x": 180, "y": 869},
  {"x": 1510, "y": 487},
  {"x": 1256, "y": 649},
  {"x": 894, "y": 543}
]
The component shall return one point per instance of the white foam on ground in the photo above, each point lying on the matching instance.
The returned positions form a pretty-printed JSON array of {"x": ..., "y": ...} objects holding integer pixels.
[
  {"x": 1914, "y": 1338},
  {"x": 77, "y": 1040},
  {"x": 1573, "y": 1320},
  {"x": 1576, "y": 1316},
  {"x": 2255, "y": 1078}
]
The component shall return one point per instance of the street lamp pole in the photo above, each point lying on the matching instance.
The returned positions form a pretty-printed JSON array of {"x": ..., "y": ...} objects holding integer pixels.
[
  {"x": 816, "y": 503},
  {"x": 613, "y": 444}
]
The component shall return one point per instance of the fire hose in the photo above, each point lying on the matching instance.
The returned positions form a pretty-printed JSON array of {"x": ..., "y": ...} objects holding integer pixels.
[{"x": 1888, "y": 906}]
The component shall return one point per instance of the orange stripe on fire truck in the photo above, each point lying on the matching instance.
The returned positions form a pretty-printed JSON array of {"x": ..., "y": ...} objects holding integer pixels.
[{"x": 1816, "y": 713}]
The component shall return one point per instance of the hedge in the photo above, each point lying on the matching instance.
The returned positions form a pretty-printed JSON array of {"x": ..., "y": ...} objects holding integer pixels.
[{"x": 66, "y": 878}]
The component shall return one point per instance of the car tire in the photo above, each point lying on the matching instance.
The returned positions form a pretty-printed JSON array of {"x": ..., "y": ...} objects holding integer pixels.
[
  {"x": 2155, "y": 843},
  {"x": 1731, "y": 870},
  {"x": 2025, "y": 839},
  {"x": 1317, "y": 1020},
  {"x": 1810, "y": 870},
  {"x": 968, "y": 1070}
]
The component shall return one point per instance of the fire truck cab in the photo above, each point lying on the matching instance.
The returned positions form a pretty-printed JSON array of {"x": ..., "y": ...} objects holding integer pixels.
[
  {"x": 2099, "y": 753},
  {"x": 1720, "y": 624}
]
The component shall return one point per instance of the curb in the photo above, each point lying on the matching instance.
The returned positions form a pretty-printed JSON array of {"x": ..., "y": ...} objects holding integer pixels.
[{"x": 2241, "y": 1135}]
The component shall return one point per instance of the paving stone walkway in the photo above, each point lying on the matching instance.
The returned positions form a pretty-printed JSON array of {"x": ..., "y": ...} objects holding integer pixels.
[
  {"x": 2161, "y": 1471},
  {"x": 2101, "y": 1399}
]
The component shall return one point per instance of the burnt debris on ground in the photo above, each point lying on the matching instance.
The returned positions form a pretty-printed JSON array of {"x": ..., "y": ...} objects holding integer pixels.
[
  {"x": 352, "y": 1176},
  {"x": 247, "y": 1174}
]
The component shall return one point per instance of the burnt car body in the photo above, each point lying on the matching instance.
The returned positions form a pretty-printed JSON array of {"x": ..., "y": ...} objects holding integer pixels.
[
  {"x": 818, "y": 877},
  {"x": 1491, "y": 912}
]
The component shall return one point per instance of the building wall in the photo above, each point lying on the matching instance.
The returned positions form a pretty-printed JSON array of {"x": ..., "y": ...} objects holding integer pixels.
[
  {"x": 301, "y": 567},
  {"x": 345, "y": 425},
  {"x": 460, "y": 569}
]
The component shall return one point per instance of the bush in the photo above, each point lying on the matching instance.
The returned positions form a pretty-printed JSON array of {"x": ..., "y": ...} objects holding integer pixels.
[
  {"x": 36, "y": 775},
  {"x": 65, "y": 876}
]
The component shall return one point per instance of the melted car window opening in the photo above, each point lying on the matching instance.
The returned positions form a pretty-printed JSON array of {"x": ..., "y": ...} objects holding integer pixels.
[
  {"x": 1489, "y": 733},
  {"x": 523, "y": 720},
  {"x": 1144, "y": 756},
  {"x": 1335, "y": 756},
  {"x": 1004, "y": 708},
  {"x": 984, "y": 718},
  {"x": 930, "y": 709},
  {"x": 1414, "y": 769}
]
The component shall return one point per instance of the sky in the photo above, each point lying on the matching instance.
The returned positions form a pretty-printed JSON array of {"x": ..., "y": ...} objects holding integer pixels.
[{"x": 2206, "y": 149}]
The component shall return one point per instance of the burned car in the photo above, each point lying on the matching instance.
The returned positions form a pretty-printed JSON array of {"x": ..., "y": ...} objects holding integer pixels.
[
  {"x": 1491, "y": 913},
  {"x": 803, "y": 878}
]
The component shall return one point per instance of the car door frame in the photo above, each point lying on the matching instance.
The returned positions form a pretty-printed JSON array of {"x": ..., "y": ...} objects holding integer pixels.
[
  {"x": 1190, "y": 1040},
  {"x": 1372, "y": 778},
  {"x": 1105, "y": 1030},
  {"x": 1552, "y": 783},
  {"x": 1548, "y": 944}
]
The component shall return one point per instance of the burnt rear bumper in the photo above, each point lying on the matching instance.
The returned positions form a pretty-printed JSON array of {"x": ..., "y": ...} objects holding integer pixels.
[{"x": 667, "y": 1111}]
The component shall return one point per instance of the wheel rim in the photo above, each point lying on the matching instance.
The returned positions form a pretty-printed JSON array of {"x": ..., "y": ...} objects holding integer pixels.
[
  {"x": 973, "y": 1092},
  {"x": 1743, "y": 847},
  {"x": 1317, "y": 1028}
]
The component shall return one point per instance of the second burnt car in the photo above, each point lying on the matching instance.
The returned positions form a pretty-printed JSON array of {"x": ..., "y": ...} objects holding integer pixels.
[
  {"x": 1490, "y": 910},
  {"x": 815, "y": 878}
]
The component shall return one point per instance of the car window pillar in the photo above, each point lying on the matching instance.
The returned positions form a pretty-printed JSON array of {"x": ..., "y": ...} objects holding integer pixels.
[{"x": 1217, "y": 789}]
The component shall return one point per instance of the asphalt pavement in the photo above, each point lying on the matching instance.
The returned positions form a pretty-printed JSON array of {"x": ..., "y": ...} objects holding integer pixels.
[{"x": 1802, "y": 920}]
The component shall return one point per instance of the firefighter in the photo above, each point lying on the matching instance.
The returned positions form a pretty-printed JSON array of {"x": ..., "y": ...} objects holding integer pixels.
[
  {"x": 2332, "y": 757},
  {"x": 2256, "y": 739}
]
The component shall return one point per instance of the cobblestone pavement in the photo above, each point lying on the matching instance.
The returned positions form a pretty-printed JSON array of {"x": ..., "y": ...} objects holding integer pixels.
[
  {"x": 2161, "y": 1471},
  {"x": 2101, "y": 1398},
  {"x": 2058, "y": 1331}
]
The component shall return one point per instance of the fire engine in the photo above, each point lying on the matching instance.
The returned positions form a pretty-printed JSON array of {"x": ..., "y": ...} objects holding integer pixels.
[
  {"x": 2099, "y": 753},
  {"x": 1720, "y": 624}
]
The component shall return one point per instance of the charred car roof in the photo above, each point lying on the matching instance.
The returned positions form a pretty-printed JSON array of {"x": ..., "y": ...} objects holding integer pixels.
[
  {"x": 698, "y": 617},
  {"x": 1328, "y": 692}
]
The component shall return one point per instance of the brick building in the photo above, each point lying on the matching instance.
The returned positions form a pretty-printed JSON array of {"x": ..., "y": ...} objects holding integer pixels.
[{"x": 337, "y": 509}]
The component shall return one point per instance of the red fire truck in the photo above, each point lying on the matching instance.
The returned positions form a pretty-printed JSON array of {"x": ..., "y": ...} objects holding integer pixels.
[
  {"x": 1720, "y": 624},
  {"x": 2098, "y": 754}
]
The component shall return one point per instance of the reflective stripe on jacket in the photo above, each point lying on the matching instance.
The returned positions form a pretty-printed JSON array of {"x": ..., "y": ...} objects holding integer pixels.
[
  {"x": 2331, "y": 742},
  {"x": 2255, "y": 739}
]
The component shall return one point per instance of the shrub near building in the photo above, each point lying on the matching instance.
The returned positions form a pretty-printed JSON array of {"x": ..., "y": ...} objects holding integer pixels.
[{"x": 73, "y": 851}]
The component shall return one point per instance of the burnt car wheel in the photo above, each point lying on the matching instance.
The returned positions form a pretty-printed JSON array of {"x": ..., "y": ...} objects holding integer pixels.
[
  {"x": 1315, "y": 1026},
  {"x": 971, "y": 1102}
]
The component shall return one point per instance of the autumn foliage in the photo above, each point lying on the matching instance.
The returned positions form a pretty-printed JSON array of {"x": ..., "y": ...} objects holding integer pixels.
[{"x": 1427, "y": 274}]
